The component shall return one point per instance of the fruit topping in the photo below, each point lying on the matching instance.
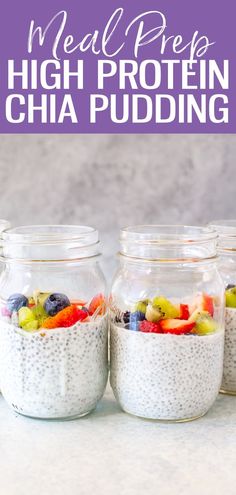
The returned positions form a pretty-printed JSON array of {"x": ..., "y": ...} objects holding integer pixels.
[
  {"x": 141, "y": 306},
  {"x": 205, "y": 324},
  {"x": 196, "y": 314},
  {"x": 97, "y": 305},
  {"x": 27, "y": 320},
  {"x": 166, "y": 308},
  {"x": 39, "y": 313},
  {"x": 230, "y": 295},
  {"x": 184, "y": 312},
  {"x": 55, "y": 303},
  {"x": 177, "y": 327},
  {"x": 149, "y": 327},
  {"x": 67, "y": 317},
  {"x": 126, "y": 317},
  {"x": 51, "y": 310},
  {"x": 153, "y": 314},
  {"x": 230, "y": 286},
  {"x": 16, "y": 301},
  {"x": 40, "y": 297},
  {"x": 32, "y": 325},
  {"x": 135, "y": 318},
  {"x": 70, "y": 315},
  {"x": 203, "y": 302},
  {"x": 50, "y": 323}
]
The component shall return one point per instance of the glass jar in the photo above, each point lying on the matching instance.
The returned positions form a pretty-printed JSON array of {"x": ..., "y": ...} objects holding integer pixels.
[
  {"x": 53, "y": 321},
  {"x": 167, "y": 322},
  {"x": 227, "y": 266},
  {"x": 4, "y": 224}
]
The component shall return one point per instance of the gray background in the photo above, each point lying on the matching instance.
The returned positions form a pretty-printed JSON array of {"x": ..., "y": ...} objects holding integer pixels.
[{"x": 110, "y": 181}]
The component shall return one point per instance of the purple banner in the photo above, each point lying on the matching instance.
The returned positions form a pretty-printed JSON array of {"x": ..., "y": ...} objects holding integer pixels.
[{"x": 117, "y": 67}]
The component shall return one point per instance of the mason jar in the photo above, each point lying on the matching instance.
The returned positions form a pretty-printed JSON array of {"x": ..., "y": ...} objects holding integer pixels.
[
  {"x": 167, "y": 322},
  {"x": 227, "y": 266},
  {"x": 53, "y": 321},
  {"x": 4, "y": 225}
]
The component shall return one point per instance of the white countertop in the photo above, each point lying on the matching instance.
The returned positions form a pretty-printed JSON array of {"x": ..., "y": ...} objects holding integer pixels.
[{"x": 112, "y": 453}]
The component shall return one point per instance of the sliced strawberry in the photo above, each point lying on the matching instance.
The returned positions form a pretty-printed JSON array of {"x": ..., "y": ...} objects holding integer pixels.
[
  {"x": 203, "y": 302},
  {"x": 69, "y": 316},
  {"x": 176, "y": 327},
  {"x": 184, "y": 312},
  {"x": 97, "y": 302},
  {"x": 149, "y": 327}
]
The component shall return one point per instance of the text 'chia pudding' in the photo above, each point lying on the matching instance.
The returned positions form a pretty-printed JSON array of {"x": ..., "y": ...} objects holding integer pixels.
[
  {"x": 53, "y": 354},
  {"x": 166, "y": 358},
  {"x": 229, "y": 370}
]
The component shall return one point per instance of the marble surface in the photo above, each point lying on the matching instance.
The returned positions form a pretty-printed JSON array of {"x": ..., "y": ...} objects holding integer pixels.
[
  {"x": 112, "y": 453},
  {"x": 113, "y": 181}
]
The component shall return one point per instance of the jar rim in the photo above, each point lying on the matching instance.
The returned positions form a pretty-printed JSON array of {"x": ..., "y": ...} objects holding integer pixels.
[
  {"x": 175, "y": 243},
  {"x": 49, "y": 242},
  {"x": 161, "y": 234},
  {"x": 48, "y": 233},
  {"x": 4, "y": 225},
  {"x": 224, "y": 228}
]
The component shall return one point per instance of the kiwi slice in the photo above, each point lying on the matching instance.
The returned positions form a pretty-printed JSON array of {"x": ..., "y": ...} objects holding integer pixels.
[
  {"x": 165, "y": 307},
  {"x": 205, "y": 325},
  {"x": 141, "y": 306},
  {"x": 39, "y": 313},
  {"x": 230, "y": 295}
]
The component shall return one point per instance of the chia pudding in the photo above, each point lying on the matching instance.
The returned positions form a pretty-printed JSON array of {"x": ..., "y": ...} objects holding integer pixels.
[
  {"x": 229, "y": 370},
  {"x": 164, "y": 376},
  {"x": 54, "y": 373}
]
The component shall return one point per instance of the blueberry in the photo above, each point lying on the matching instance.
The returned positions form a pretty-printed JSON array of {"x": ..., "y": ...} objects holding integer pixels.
[
  {"x": 135, "y": 318},
  {"x": 126, "y": 317},
  {"x": 16, "y": 301},
  {"x": 230, "y": 286},
  {"x": 55, "y": 303}
]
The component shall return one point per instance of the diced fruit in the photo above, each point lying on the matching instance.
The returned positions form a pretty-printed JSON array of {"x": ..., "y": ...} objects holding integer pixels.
[
  {"x": 25, "y": 316},
  {"x": 176, "y": 327},
  {"x": 135, "y": 318},
  {"x": 32, "y": 325},
  {"x": 126, "y": 317},
  {"x": 203, "y": 302},
  {"x": 230, "y": 295},
  {"x": 141, "y": 306},
  {"x": 205, "y": 324},
  {"x": 153, "y": 314},
  {"x": 16, "y": 301},
  {"x": 70, "y": 315},
  {"x": 231, "y": 286},
  {"x": 184, "y": 312},
  {"x": 41, "y": 297},
  {"x": 167, "y": 309},
  {"x": 39, "y": 313},
  {"x": 197, "y": 314},
  {"x": 149, "y": 327},
  {"x": 55, "y": 303},
  {"x": 97, "y": 302},
  {"x": 50, "y": 322},
  {"x": 83, "y": 308}
]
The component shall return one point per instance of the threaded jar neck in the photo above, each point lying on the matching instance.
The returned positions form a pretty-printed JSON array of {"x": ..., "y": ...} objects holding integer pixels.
[
  {"x": 168, "y": 243},
  {"x": 226, "y": 230},
  {"x": 49, "y": 243}
]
